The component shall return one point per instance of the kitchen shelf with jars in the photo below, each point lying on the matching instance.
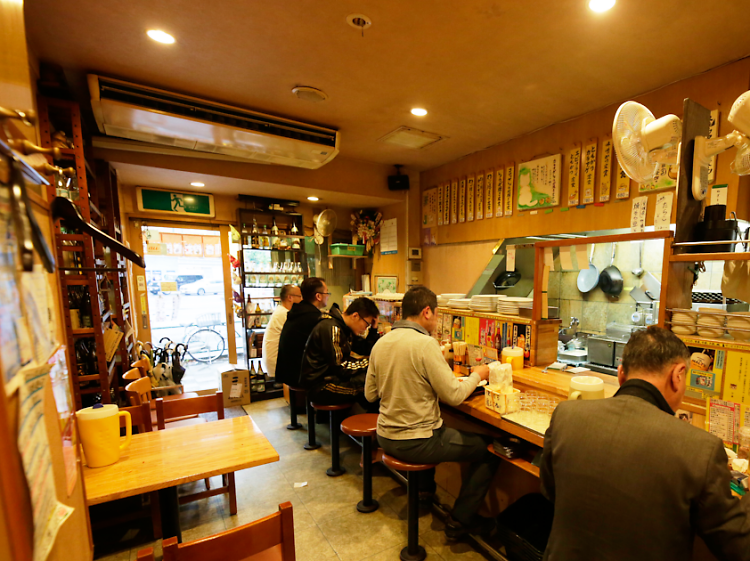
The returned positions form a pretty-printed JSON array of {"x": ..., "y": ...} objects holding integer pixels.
[{"x": 271, "y": 254}]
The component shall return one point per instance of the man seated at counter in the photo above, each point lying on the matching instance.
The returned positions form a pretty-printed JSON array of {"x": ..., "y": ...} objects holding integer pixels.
[
  {"x": 629, "y": 480},
  {"x": 289, "y": 296},
  {"x": 409, "y": 375},
  {"x": 300, "y": 321},
  {"x": 330, "y": 374}
]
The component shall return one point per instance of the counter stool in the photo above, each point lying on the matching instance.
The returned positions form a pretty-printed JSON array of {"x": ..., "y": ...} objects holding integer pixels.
[
  {"x": 312, "y": 443},
  {"x": 294, "y": 425},
  {"x": 335, "y": 470},
  {"x": 365, "y": 427},
  {"x": 413, "y": 551}
]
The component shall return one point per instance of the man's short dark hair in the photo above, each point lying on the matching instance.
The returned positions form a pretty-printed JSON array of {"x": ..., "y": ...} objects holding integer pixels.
[
  {"x": 417, "y": 299},
  {"x": 285, "y": 290},
  {"x": 652, "y": 351},
  {"x": 365, "y": 307},
  {"x": 310, "y": 287}
]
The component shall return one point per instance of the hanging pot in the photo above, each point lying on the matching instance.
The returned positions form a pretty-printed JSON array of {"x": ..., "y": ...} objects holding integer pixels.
[{"x": 610, "y": 280}]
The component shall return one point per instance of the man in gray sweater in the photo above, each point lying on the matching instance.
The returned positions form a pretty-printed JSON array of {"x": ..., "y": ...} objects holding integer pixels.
[{"x": 408, "y": 373}]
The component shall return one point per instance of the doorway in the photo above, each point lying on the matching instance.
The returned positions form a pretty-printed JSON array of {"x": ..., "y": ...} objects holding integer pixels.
[{"x": 186, "y": 300}]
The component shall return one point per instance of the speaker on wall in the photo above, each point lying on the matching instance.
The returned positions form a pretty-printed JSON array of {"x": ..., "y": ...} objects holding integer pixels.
[{"x": 398, "y": 182}]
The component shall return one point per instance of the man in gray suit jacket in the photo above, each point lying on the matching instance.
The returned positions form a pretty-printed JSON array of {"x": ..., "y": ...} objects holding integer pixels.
[{"x": 630, "y": 481}]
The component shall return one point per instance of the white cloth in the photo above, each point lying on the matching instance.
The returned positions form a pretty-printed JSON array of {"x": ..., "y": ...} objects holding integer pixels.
[{"x": 270, "y": 350}]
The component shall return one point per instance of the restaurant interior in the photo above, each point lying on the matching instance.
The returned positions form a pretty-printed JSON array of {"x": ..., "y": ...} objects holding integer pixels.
[{"x": 560, "y": 174}]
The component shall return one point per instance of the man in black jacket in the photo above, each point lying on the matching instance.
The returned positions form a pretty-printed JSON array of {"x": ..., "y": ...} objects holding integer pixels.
[
  {"x": 330, "y": 373},
  {"x": 300, "y": 322}
]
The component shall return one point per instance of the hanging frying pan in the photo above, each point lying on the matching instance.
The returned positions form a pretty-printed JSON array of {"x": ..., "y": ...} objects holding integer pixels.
[
  {"x": 508, "y": 279},
  {"x": 610, "y": 280},
  {"x": 588, "y": 278}
]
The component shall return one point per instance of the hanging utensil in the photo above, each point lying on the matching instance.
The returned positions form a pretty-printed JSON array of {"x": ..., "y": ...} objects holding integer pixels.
[
  {"x": 610, "y": 280},
  {"x": 588, "y": 278},
  {"x": 639, "y": 271},
  {"x": 324, "y": 225}
]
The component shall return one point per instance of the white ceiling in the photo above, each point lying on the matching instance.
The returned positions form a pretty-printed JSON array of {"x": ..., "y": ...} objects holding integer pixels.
[{"x": 487, "y": 71}]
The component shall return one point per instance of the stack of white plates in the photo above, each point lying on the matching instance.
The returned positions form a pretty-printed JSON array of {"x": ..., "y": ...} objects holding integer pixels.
[
  {"x": 710, "y": 325},
  {"x": 444, "y": 298},
  {"x": 736, "y": 322},
  {"x": 683, "y": 321},
  {"x": 484, "y": 302},
  {"x": 509, "y": 306},
  {"x": 459, "y": 303}
]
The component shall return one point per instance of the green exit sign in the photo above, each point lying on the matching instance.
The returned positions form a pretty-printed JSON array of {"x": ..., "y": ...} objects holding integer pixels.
[{"x": 173, "y": 202}]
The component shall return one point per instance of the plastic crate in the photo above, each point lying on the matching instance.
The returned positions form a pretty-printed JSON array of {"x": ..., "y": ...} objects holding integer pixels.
[{"x": 347, "y": 249}]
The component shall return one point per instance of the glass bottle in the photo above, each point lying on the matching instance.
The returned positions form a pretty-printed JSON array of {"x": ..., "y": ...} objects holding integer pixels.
[
  {"x": 254, "y": 239},
  {"x": 274, "y": 228},
  {"x": 294, "y": 230},
  {"x": 86, "y": 317},
  {"x": 265, "y": 242}
]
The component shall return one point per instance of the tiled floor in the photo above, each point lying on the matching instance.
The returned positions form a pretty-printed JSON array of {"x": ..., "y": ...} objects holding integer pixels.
[{"x": 326, "y": 522}]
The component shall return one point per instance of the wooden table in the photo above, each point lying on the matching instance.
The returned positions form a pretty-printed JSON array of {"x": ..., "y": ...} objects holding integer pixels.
[{"x": 162, "y": 459}]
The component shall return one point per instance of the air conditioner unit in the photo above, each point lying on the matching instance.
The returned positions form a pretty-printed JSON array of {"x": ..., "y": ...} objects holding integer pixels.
[{"x": 151, "y": 115}]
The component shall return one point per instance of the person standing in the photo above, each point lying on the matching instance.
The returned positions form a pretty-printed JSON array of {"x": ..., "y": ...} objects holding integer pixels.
[
  {"x": 289, "y": 296},
  {"x": 409, "y": 375},
  {"x": 300, "y": 322},
  {"x": 629, "y": 480}
]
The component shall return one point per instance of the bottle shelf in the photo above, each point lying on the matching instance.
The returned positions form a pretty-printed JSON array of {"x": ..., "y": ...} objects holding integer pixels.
[{"x": 264, "y": 249}]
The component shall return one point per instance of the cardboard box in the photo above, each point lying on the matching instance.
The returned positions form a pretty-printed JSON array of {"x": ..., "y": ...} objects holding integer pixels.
[{"x": 239, "y": 380}]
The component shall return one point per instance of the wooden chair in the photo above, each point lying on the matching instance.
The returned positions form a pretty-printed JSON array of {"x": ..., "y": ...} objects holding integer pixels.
[
  {"x": 139, "y": 391},
  {"x": 166, "y": 410},
  {"x": 268, "y": 539},
  {"x": 141, "y": 417},
  {"x": 140, "y": 368}
]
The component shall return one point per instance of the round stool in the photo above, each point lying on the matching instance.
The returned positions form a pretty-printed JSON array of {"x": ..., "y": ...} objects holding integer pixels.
[
  {"x": 335, "y": 470},
  {"x": 294, "y": 425},
  {"x": 413, "y": 551},
  {"x": 364, "y": 426}
]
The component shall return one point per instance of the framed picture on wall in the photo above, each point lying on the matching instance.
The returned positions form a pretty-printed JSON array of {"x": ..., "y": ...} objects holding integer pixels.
[{"x": 386, "y": 284}]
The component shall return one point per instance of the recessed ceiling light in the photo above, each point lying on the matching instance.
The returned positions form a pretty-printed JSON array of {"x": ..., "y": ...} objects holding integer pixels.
[
  {"x": 198, "y": 184},
  {"x": 419, "y": 112},
  {"x": 313, "y": 199},
  {"x": 601, "y": 5},
  {"x": 359, "y": 21},
  {"x": 160, "y": 36}
]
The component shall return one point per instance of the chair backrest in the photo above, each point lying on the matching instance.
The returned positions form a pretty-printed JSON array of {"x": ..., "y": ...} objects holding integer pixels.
[
  {"x": 166, "y": 410},
  {"x": 139, "y": 391},
  {"x": 143, "y": 365},
  {"x": 132, "y": 374},
  {"x": 272, "y": 532},
  {"x": 140, "y": 416}
]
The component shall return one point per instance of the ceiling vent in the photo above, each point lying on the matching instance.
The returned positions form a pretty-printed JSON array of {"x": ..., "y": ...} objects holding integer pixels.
[
  {"x": 148, "y": 114},
  {"x": 407, "y": 137}
]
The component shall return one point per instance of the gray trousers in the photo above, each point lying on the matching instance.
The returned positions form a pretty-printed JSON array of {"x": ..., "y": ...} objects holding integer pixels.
[{"x": 451, "y": 445}]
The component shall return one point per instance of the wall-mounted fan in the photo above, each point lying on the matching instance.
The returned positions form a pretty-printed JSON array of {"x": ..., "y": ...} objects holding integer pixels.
[{"x": 643, "y": 142}]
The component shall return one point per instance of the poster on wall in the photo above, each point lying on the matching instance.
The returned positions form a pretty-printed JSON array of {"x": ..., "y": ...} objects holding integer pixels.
[
  {"x": 429, "y": 207},
  {"x": 489, "y": 194},
  {"x": 664, "y": 178},
  {"x": 574, "y": 175},
  {"x": 479, "y": 214},
  {"x": 539, "y": 183},
  {"x": 705, "y": 373},
  {"x": 589, "y": 171}
]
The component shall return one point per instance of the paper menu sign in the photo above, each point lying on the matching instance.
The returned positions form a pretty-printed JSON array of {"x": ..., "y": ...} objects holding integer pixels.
[
  {"x": 510, "y": 264},
  {"x": 462, "y": 200},
  {"x": 566, "y": 259},
  {"x": 470, "y": 198},
  {"x": 574, "y": 175},
  {"x": 489, "y": 197},
  {"x": 446, "y": 204},
  {"x": 509, "y": 179},
  {"x": 440, "y": 205},
  {"x": 638, "y": 214},
  {"x": 499, "y": 192},
  {"x": 589, "y": 171},
  {"x": 605, "y": 170},
  {"x": 663, "y": 211},
  {"x": 622, "y": 183},
  {"x": 479, "y": 215},
  {"x": 454, "y": 201},
  {"x": 723, "y": 419},
  {"x": 719, "y": 194},
  {"x": 582, "y": 260}
]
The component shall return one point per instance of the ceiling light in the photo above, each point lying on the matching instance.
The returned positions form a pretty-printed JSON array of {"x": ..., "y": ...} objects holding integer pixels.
[
  {"x": 601, "y": 5},
  {"x": 419, "y": 112},
  {"x": 411, "y": 138},
  {"x": 309, "y": 94},
  {"x": 359, "y": 21},
  {"x": 160, "y": 36},
  {"x": 313, "y": 199},
  {"x": 198, "y": 184}
]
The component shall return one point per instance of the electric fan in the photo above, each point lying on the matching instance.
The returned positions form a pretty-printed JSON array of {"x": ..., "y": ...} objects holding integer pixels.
[{"x": 643, "y": 142}]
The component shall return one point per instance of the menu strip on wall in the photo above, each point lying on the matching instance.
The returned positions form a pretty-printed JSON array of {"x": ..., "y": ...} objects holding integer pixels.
[
  {"x": 499, "y": 192},
  {"x": 509, "y": 178},
  {"x": 589, "y": 173},
  {"x": 447, "y": 204},
  {"x": 462, "y": 200},
  {"x": 441, "y": 187},
  {"x": 454, "y": 201},
  {"x": 489, "y": 187},
  {"x": 605, "y": 171},
  {"x": 479, "y": 215},
  {"x": 574, "y": 175},
  {"x": 622, "y": 183},
  {"x": 470, "y": 198}
]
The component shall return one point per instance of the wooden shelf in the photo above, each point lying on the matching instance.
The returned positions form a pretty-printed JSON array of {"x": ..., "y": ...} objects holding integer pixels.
[
  {"x": 522, "y": 463},
  {"x": 259, "y": 249},
  {"x": 84, "y": 331},
  {"x": 355, "y": 257},
  {"x": 696, "y": 257}
]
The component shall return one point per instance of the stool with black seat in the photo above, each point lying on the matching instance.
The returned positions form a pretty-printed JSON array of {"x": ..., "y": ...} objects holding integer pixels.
[
  {"x": 364, "y": 426},
  {"x": 335, "y": 470},
  {"x": 413, "y": 551},
  {"x": 293, "y": 390}
]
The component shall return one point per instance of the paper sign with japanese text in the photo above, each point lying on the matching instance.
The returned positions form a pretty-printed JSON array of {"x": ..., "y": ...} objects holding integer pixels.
[
  {"x": 489, "y": 197},
  {"x": 622, "y": 185},
  {"x": 454, "y": 201},
  {"x": 479, "y": 215},
  {"x": 539, "y": 183},
  {"x": 509, "y": 180},
  {"x": 470, "y": 198},
  {"x": 462, "y": 200},
  {"x": 605, "y": 170},
  {"x": 441, "y": 188},
  {"x": 447, "y": 204},
  {"x": 663, "y": 211},
  {"x": 589, "y": 173},
  {"x": 638, "y": 214},
  {"x": 574, "y": 175},
  {"x": 499, "y": 192}
]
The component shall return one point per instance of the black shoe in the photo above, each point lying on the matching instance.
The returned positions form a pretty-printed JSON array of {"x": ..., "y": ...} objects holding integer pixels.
[{"x": 480, "y": 526}]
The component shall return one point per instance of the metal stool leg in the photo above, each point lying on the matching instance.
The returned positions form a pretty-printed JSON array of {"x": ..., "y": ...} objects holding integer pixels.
[
  {"x": 413, "y": 551},
  {"x": 367, "y": 504},
  {"x": 312, "y": 444},
  {"x": 335, "y": 470},
  {"x": 293, "y": 425}
]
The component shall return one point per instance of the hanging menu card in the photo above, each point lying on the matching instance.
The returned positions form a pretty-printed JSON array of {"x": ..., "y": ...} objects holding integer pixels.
[
  {"x": 574, "y": 175},
  {"x": 622, "y": 183},
  {"x": 663, "y": 211},
  {"x": 462, "y": 200},
  {"x": 446, "y": 204},
  {"x": 489, "y": 198},
  {"x": 589, "y": 169},
  {"x": 638, "y": 214},
  {"x": 509, "y": 178},
  {"x": 440, "y": 205},
  {"x": 480, "y": 196},
  {"x": 454, "y": 201},
  {"x": 499, "y": 192},
  {"x": 605, "y": 171},
  {"x": 470, "y": 198}
]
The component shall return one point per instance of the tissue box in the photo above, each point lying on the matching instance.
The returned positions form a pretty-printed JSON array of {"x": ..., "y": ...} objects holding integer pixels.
[{"x": 499, "y": 401}]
